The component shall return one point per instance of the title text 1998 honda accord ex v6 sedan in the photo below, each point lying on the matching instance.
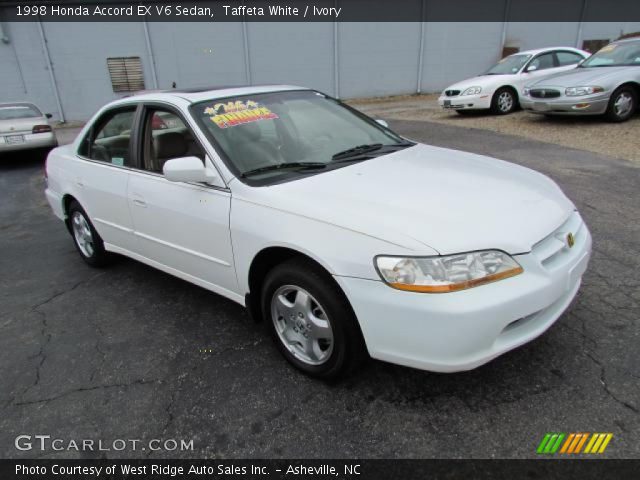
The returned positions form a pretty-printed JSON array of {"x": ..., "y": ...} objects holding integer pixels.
[{"x": 344, "y": 237}]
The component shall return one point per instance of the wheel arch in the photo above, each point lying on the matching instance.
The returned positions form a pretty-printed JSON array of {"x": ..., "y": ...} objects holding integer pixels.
[
  {"x": 67, "y": 198},
  {"x": 264, "y": 261},
  {"x": 509, "y": 87}
]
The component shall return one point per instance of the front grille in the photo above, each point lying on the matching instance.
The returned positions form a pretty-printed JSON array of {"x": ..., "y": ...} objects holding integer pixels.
[
  {"x": 452, "y": 93},
  {"x": 544, "y": 93},
  {"x": 553, "y": 250}
]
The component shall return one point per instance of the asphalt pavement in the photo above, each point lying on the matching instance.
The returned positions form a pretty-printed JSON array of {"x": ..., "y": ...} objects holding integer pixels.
[{"x": 129, "y": 352}]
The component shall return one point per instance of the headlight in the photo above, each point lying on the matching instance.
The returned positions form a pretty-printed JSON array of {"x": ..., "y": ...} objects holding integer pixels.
[
  {"x": 448, "y": 273},
  {"x": 472, "y": 91},
  {"x": 578, "y": 91}
]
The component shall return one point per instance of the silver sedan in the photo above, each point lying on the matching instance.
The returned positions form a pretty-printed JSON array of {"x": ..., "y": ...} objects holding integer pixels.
[
  {"x": 607, "y": 83},
  {"x": 24, "y": 127}
]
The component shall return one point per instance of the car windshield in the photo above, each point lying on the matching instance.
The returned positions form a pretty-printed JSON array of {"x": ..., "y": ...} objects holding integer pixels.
[
  {"x": 291, "y": 133},
  {"x": 509, "y": 65},
  {"x": 11, "y": 112},
  {"x": 615, "y": 55}
]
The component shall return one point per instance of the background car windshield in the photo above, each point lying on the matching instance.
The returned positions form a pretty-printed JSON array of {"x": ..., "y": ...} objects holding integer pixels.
[
  {"x": 10, "y": 112},
  {"x": 509, "y": 65},
  {"x": 257, "y": 131},
  {"x": 615, "y": 55}
]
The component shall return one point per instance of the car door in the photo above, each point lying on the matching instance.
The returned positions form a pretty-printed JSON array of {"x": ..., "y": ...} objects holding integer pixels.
[
  {"x": 537, "y": 68},
  {"x": 180, "y": 227},
  {"x": 101, "y": 175}
]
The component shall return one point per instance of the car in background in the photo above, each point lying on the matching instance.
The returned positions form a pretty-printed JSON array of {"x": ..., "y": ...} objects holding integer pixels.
[
  {"x": 498, "y": 88},
  {"x": 608, "y": 83},
  {"x": 325, "y": 224},
  {"x": 24, "y": 127}
]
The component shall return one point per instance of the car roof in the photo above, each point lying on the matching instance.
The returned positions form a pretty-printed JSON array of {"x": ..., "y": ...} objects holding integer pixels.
[
  {"x": 627, "y": 40},
  {"x": 18, "y": 104},
  {"x": 199, "y": 94},
  {"x": 548, "y": 49}
]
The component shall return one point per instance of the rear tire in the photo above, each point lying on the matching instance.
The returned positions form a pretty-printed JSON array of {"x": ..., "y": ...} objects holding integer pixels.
[
  {"x": 504, "y": 101},
  {"x": 622, "y": 104},
  {"x": 85, "y": 237},
  {"x": 311, "y": 321}
]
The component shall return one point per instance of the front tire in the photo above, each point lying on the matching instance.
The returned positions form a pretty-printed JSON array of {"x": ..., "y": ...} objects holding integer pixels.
[
  {"x": 622, "y": 104},
  {"x": 86, "y": 238},
  {"x": 311, "y": 321},
  {"x": 504, "y": 101}
]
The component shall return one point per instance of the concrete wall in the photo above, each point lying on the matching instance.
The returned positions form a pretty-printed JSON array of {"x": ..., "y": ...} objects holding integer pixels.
[{"x": 373, "y": 59}]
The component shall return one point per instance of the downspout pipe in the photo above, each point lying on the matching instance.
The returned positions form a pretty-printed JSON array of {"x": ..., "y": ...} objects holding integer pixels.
[
  {"x": 52, "y": 77},
  {"x": 421, "y": 49},
  {"x": 147, "y": 37}
]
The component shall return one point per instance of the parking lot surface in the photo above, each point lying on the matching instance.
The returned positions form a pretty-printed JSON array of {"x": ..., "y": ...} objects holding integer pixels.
[
  {"x": 591, "y": 133},
  {"x": 132, "y": 353}
]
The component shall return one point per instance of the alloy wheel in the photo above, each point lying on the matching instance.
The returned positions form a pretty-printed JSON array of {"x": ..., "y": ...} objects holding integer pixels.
[
  {"x": 82, "y": 234},
  {"x": 505, "y": 102},
  {"x": 623, "y": 104},
  {"x": 302, "y": 324}
]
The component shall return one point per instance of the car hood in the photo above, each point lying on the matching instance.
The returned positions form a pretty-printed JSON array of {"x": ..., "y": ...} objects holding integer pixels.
[
  {"x": 484, "y": 81},
  {"x": 580, "y": 77},
  {"x": 426, "y": 196}
]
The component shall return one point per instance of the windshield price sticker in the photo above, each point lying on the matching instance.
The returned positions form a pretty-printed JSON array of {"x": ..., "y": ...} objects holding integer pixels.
[{"x": 230, "y": 114}]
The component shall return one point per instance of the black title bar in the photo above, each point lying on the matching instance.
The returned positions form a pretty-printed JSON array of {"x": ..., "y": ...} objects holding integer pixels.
[{"x": 322, "y": 11}]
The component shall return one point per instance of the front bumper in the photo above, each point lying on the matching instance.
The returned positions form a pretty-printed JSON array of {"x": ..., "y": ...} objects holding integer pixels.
[
  {"x": 28, "y": 141},
  {"x": 585, "y": 105},
  {"x": 463, "y": 330},
  {"x": 481, "y": 101}
]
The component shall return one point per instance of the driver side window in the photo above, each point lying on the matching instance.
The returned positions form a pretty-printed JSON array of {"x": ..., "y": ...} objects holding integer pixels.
[
  {"x": 542, "y": 62},
  {"x": 110, "y": 139},
  {"x": 167, "y": 137}
]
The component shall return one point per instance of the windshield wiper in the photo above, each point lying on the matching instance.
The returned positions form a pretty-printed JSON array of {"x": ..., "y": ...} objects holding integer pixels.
[
  {"x": 279, "y": 166},
  {"x": 361, "y": 151}
]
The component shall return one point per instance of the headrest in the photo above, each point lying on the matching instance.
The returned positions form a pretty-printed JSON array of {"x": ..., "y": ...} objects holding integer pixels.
[{"x": 170, "y": 145}]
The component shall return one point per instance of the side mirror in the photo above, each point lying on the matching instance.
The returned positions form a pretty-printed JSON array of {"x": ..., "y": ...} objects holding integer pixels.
[
  {"x": 531, "y": 68},
  {"x": 188, "y": 169},
  {"x": 48, "y": 115},
  {"x": 382, "y": 122}
]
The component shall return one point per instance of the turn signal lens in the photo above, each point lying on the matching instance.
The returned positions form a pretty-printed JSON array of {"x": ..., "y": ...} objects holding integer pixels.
[{"x": 449, "y": 273}]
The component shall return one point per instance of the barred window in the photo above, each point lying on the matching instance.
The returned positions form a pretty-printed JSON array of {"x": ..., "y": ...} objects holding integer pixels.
[{"x": 126, "y": 74}]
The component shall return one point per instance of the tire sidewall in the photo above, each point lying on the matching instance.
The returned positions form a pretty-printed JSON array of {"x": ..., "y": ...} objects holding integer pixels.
[
  {"x": 494, "y": 102},
  {"x": 611, "y": 115},
  {"x": 339, "y": 316},
  {"x": 99, "y": 256}
]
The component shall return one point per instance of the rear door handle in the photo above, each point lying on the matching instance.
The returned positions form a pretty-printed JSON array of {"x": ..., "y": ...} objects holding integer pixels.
[{"x": 140, "y": 202}]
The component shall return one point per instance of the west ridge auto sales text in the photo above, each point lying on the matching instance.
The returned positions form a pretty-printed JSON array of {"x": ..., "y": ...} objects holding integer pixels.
[
  {"x": 173, "y": 10},
  {"x": 174, "y": 471}
]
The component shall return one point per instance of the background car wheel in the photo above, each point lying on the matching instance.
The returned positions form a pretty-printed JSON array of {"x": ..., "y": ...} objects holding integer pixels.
[
  {"x": 504, "y": 101},
  {"x": 622, "y": 104},
  {"x": 311, "y": 320},
  {"x": 85, "y": 237}
]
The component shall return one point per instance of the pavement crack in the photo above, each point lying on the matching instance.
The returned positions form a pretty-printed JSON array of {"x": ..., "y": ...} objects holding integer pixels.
[
  {"x": 88, "y": 389},
  {"x": 605, "y": 385}
]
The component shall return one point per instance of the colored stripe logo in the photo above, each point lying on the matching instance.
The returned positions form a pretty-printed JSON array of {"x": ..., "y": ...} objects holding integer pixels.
[{"x": 573, "y": 443}]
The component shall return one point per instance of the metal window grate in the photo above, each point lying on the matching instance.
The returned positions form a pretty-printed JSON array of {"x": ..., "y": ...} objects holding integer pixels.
[{"x": 126, "y": 74}]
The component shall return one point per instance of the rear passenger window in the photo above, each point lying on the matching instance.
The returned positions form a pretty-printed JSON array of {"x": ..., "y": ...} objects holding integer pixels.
[
  {"x": 110, "y": 139},
  {"x": 567, "y": 58},
  {"x": 166, "y": 137}
]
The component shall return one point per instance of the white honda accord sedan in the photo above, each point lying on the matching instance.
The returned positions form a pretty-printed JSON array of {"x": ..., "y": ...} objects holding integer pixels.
[{"x": 345, "y": 238}]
